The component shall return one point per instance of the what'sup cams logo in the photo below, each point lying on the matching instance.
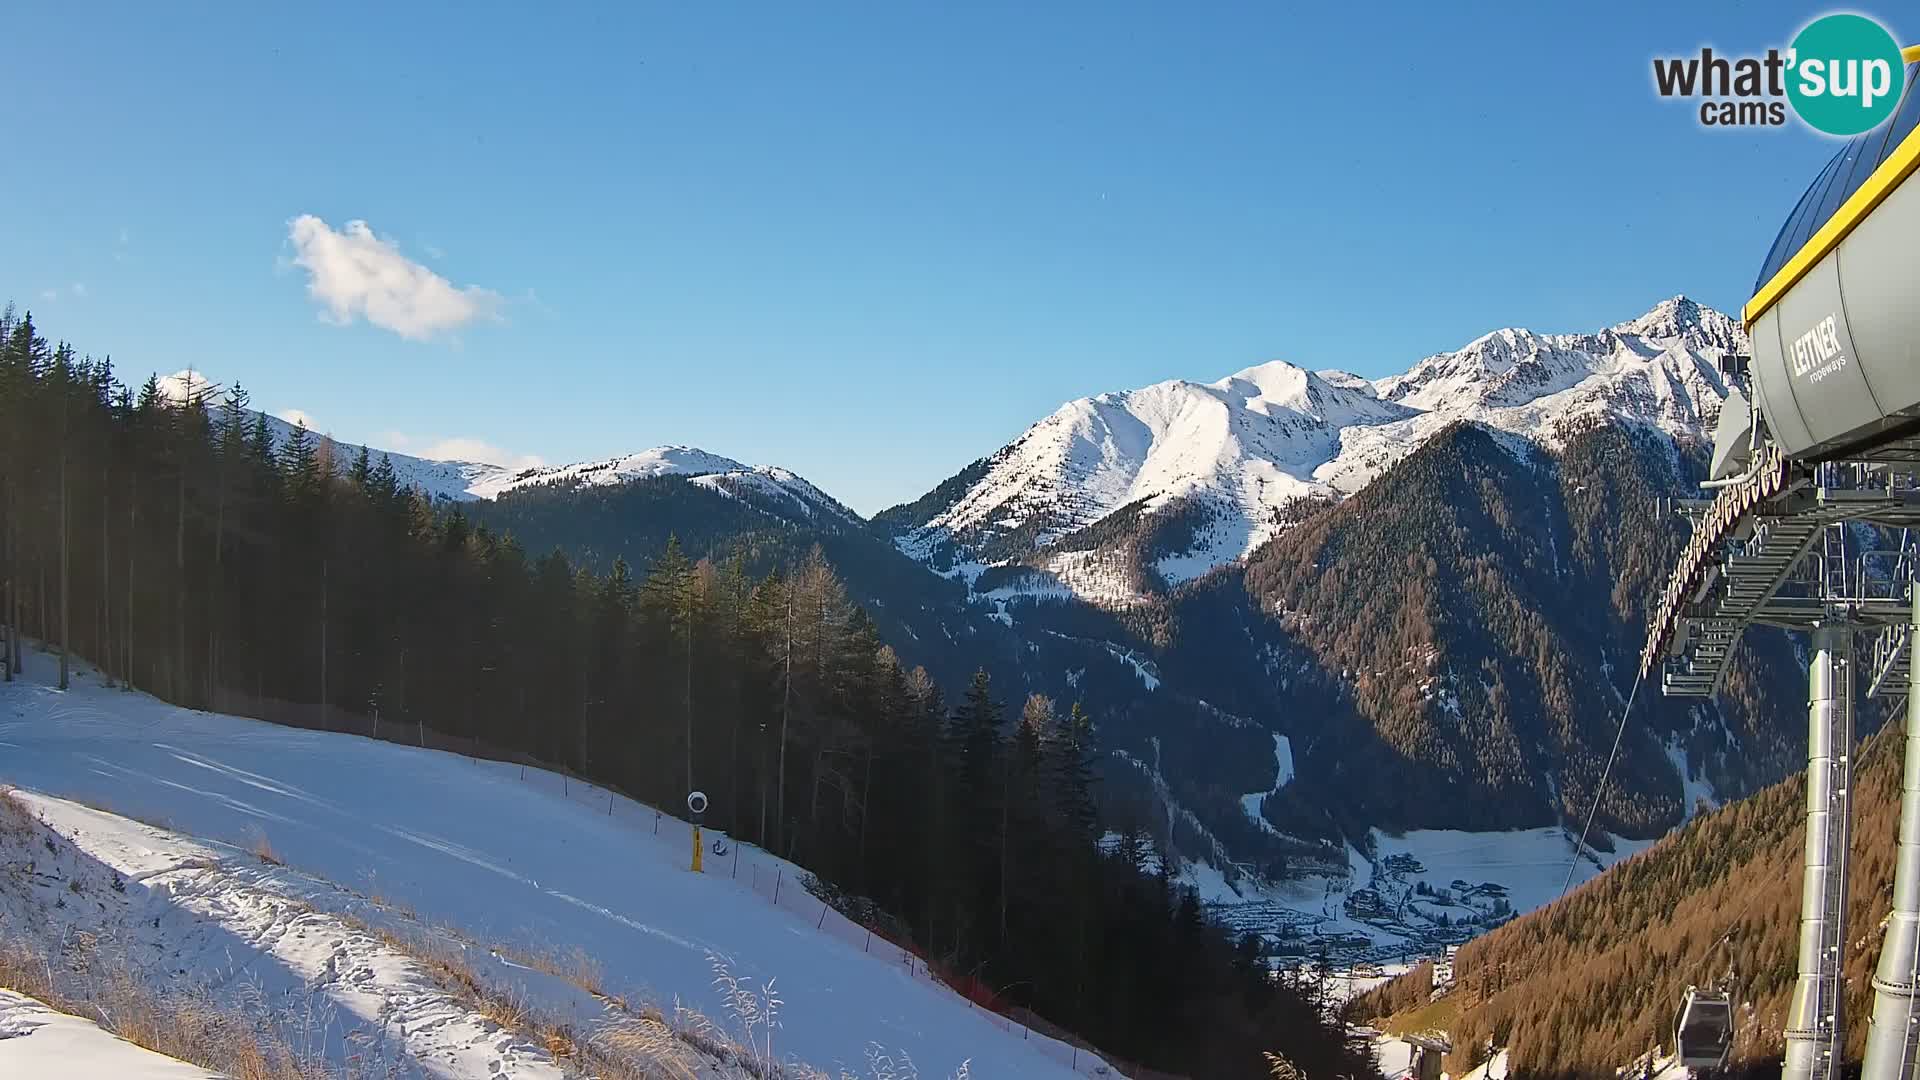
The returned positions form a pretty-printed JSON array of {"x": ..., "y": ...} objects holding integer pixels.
[{"x": 1842, "y": 75}]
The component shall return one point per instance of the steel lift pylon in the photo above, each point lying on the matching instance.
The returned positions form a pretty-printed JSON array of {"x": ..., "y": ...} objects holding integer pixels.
[{"x": 1811, "y": 527}]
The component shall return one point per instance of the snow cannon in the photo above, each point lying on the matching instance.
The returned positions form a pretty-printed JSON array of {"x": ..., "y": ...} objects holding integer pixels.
[{"x": 696, "y": 806}]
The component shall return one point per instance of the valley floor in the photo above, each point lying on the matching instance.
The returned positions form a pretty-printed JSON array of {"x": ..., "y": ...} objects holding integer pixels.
[
  {"x": 351, "y": 888},
  {"x": 1421, "y": 891}
]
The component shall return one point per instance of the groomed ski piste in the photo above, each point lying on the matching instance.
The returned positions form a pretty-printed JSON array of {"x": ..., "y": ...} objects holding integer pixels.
[{"x": 156, "y": 819}]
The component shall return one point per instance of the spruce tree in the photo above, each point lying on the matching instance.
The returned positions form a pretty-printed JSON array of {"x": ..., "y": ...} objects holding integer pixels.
[{"x": 300, "y": 465}]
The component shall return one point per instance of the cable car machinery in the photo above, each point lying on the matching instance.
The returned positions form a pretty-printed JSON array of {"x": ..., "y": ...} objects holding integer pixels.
[{"x": 1830, "y": 444}]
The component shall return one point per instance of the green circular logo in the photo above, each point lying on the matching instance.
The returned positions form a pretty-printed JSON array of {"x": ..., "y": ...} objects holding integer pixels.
[{"x": 1845, "y": 74}]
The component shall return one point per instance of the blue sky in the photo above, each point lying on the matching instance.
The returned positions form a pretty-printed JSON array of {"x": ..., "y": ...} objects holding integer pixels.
[{"x": 870, "y": 242}]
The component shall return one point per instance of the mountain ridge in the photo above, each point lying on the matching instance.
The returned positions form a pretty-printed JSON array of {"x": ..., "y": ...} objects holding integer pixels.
[
  {"x": 1234, "y": 455},
  {"x": 1238, "y": 453}
]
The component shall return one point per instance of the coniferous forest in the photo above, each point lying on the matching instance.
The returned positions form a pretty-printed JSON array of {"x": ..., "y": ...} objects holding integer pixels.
[{"x": 184, "y": 551}]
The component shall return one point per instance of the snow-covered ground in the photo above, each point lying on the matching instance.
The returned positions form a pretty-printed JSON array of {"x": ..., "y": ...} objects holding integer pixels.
[
  {"x": 1696, "y": 792},
  {"x": 1282, "y": 774},
  {"x": 527, "y": 860},
  {"x": 36, "y": 1040},
  {"x": 1390, "y": 1055},
  {"x": 1345, "y": 984},
  {"x": 1530, "y": 864}
]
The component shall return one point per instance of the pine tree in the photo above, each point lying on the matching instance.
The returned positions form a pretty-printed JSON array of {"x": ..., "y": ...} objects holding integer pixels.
[
  {"x": 1073, "y": 757},
  {"x": 977, "y": 748},
  {"x": 384, "y": 483},
  {"x": 361, "y": 475},
  {"x": 300, "y": 464},
  {"x": 668, "y": 595}
]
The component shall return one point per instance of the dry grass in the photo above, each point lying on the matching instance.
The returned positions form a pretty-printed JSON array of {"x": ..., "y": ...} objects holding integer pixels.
[
  {"x": 398, "y": 907},
  {"x": 16, "y": 821},
  {"x": 443, "y": 955},
  {"x": 1438, "y": 1015},
  {"x": 575, "y": 967},
  {"x": 187, "y": 1024},
  {"x": 640, "y": 1045},
  {"x": 646, "y": 1043},
  {"x": 262, "y": 849},
  {"x": 1279, "y": 1068}
]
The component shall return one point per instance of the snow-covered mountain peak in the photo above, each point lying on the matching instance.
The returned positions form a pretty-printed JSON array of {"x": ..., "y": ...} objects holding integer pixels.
[
  {"x": 770, "y": 486},
  {"x": 1232, "y": 451},
  {"x": 1276, "y": 387},
  {"x": 1347, "y": 380},
  {"x": 1234, "y": 454},
  {"x": 1513, "y": 367},
  {"x": 1681, "y": 318},
  {"x": 1275, "y": 379},
  {"x": 766, "y": 483},
  {"x": 658, "y": 461}
]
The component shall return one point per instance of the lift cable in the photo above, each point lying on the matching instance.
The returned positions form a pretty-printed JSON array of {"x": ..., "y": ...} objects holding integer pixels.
[{"x": 1581, "y": 844}]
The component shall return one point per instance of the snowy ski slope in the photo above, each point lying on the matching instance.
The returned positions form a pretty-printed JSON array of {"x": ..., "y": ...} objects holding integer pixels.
[
  {"x": 535, "y": 861},
  {"x": 36, "y": 1040}
]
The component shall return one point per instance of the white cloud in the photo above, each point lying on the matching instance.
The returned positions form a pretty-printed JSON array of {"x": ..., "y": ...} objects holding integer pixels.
[
  {"x": 351, "y": 272},
  {"x": 79, "y": 288},
  {"x": 297, "y": 417},
  {"x": 470, "y": 449},
  {"x": 459, "y": 448},
  {"x": 186, "y": 383}
]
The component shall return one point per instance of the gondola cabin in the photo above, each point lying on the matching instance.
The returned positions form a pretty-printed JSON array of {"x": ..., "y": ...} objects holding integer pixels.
[{"x": 1703, "y": 1029}]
